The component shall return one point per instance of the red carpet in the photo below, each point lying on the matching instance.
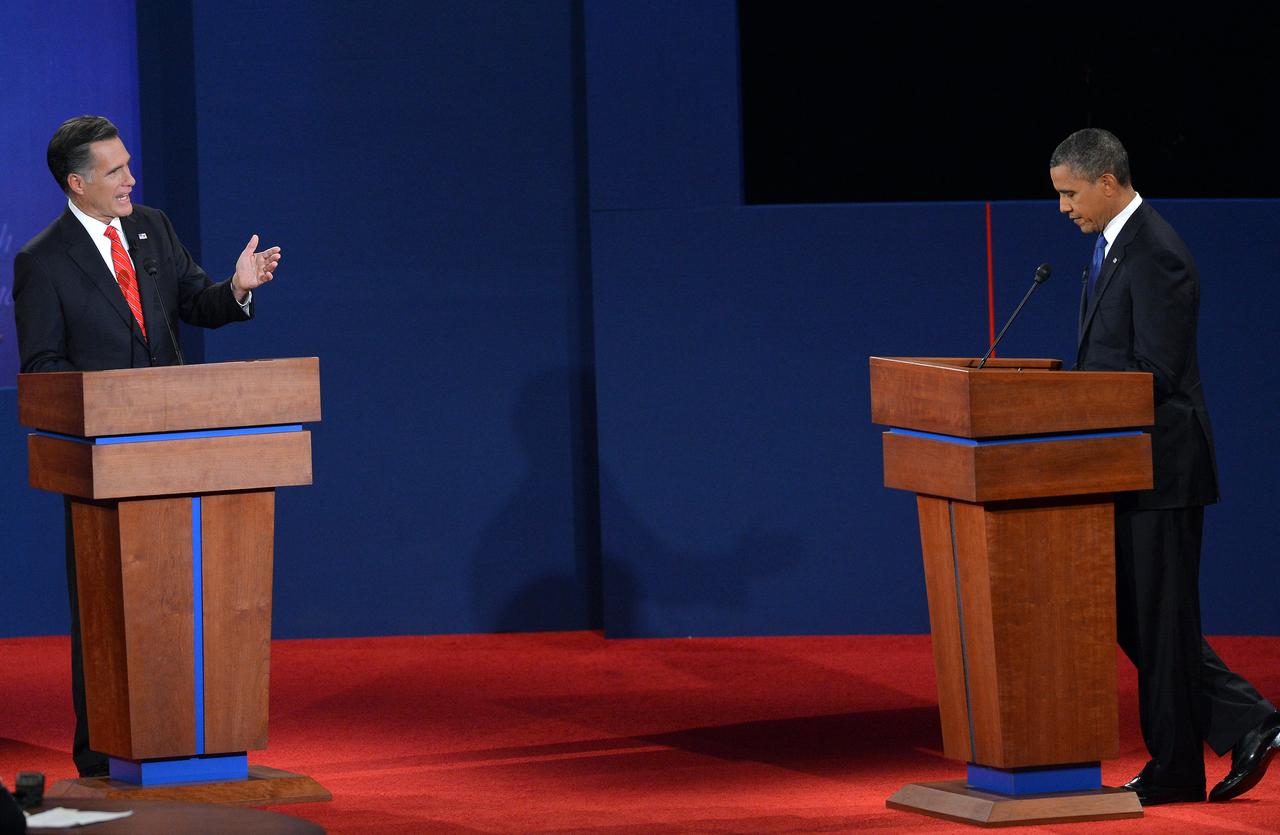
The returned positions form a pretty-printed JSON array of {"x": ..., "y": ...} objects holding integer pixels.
[{"x": 572, "y": 733}]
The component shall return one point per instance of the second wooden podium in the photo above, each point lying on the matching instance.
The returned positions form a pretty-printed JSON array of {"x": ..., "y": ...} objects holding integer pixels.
[
  {"x": 1014, "y": 467},
  {"x": 170, "y": 477}
]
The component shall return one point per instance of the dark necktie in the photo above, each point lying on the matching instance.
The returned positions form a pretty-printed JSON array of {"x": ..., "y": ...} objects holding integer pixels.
[
  {"x": 1099, "y": 250},
  {"x": 125, "y": 277}
]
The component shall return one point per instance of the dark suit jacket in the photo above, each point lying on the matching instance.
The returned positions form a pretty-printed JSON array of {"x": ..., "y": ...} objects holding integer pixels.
[
  {"x": 1143, "y": 317},
  {"x": 71, "y": 315}
]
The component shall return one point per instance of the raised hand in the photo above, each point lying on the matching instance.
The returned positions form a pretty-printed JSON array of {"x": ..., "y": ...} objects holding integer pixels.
[{"x": 254, "y": 269}]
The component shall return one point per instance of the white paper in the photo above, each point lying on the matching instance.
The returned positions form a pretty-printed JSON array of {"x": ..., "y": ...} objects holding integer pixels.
[{"x": 61, "y": 818}]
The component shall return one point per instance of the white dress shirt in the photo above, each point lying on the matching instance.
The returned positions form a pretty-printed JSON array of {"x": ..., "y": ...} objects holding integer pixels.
[{"x": 98, "y": 234}]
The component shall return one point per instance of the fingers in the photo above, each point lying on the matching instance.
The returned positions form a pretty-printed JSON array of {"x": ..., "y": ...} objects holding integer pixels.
[{"x": 267, "y": 264}]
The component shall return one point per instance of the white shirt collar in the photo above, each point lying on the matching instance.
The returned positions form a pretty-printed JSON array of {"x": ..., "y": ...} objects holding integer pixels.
[
  {"x": 97, "y": 229},
  {"x": 1117, "y": 223}
]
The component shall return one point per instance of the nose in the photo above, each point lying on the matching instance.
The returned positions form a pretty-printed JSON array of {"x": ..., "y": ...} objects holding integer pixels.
[
  {"x": 1063, "y": 205},
  {"x": 128, "y": 177}
]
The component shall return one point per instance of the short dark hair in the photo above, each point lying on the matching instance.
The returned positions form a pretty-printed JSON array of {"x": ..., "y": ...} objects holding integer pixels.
[
  {"x": 1092, "y": 152},
  {"x": 69, "y": 149}
]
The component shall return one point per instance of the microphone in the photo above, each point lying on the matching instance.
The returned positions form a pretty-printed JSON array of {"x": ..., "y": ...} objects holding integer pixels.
[
  {"x": 152, "y": 266},
  {"x": 1042, "y": 275}
]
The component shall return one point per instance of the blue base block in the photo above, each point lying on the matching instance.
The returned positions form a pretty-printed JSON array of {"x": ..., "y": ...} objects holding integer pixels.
[
  {"x": 215, "y": 768},
  {"x": 1021, "y": 781}
]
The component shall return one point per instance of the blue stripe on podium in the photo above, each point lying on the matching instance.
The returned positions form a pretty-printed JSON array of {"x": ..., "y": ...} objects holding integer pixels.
[
  {"x": 209, "y": 769},
  {"x": 1019, "y": 439},
  {"x": 197, "y": 604},
  {"x": 1016, "y": 782},
  {"x": 109, "y": 440}
]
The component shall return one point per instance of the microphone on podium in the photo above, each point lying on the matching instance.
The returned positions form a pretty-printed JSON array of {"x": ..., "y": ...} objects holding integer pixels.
[
  {"x": 152, "y": 267},
  {"x": 1042, "y": 275}
]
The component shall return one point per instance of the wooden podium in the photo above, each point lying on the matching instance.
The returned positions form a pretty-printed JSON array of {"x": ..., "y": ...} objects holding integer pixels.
[
  {"x": 169, "y": 475},
  {"x": 1014, "y": 466}
]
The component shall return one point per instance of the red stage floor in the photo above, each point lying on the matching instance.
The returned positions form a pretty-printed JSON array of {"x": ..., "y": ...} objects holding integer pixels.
[{"x": 568, "y": 732}]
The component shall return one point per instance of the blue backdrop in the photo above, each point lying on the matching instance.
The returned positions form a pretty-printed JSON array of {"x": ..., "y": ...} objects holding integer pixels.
[
  {"x": 569, "y": 379},
  {"x": 44, "y": 79}
]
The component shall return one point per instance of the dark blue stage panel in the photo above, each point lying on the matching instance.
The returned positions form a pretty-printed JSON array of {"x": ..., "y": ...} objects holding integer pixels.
[
  {"x": 1235, "y": 246},
  {"x": 57, "y": 60},
  {"x": 663, "y": 103},
  {"x": 740, "y": 474},
  {"x": 418, "y": 164},
  {"x": 1025, "y": 234}
]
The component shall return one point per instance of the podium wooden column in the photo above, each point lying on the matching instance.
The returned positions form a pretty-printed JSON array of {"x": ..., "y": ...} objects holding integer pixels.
[
  {"x": 1014, "y": 466},
  {"x": 170, "y": 475}
]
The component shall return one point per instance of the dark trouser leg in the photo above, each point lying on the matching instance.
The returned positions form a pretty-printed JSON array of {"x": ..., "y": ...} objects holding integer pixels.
[
  {"x": 1158, "y": 625},
  {"x": 1232, "y": 707},
  {"x": 85, "y": 759},
  {"x": 1158, "y": 621}
]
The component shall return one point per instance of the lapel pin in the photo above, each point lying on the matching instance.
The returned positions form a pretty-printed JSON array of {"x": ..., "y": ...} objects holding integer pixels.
[{"x": 142, "y": 236}]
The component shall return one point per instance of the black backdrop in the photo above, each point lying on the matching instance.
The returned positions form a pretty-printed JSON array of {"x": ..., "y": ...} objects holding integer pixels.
[{"x": 845, "y": 103}]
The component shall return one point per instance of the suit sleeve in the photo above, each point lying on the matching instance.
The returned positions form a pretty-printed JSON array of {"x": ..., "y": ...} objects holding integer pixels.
[
  {"x": 37, "y": 312},
  {"x": 1166, "y": 297},
  {"x": 201, "y": 301}
]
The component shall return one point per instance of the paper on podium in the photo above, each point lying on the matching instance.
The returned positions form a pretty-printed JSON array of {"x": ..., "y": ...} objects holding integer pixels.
[{"x": 60, "y": 818}]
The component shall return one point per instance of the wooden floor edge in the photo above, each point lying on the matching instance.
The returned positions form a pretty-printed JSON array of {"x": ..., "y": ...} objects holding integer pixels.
[
  {"x": 265, "y": 787},
  {"x": 953, "y": 802}
]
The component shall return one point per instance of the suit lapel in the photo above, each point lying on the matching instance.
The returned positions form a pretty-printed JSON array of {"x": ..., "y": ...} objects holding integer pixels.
[
  {"x": 85, "y": 254},
  {"x": 1110, "y": 265}
]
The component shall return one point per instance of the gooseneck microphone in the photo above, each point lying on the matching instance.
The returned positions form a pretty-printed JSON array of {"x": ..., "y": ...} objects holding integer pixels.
[
  {"x": 151, "y": 266},
  {"x": 1042, "y": 275}
]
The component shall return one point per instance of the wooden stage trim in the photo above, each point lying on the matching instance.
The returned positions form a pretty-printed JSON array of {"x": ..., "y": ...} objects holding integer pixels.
[
  {"x": 953, "y": 800},
  {"x": 266, "y": 786}
]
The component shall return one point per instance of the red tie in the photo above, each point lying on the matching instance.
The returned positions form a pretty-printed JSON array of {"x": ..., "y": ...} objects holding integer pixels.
[{"x": 125, "y": 276}]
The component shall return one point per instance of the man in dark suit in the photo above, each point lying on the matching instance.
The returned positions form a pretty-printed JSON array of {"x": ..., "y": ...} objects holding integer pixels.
[
  {"x": 1139, "y": 312},
  {"x": 96, "y": 289}
]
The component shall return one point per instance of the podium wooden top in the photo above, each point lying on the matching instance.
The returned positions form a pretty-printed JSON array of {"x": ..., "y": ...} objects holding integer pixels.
[
  {"x": 133, "y": 401},
  {"x": 1007, "y": 397}
]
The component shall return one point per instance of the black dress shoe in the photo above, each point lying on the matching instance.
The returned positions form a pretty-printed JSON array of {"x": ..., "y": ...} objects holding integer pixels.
[
  {"x": 1152, "y": 794},
  {"x": 1249, "y": 759},
  {"x": 95, "y": 771}
]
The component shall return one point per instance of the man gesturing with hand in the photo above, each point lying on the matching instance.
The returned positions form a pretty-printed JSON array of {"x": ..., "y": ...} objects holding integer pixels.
[{"x": 102, "y": 286}]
